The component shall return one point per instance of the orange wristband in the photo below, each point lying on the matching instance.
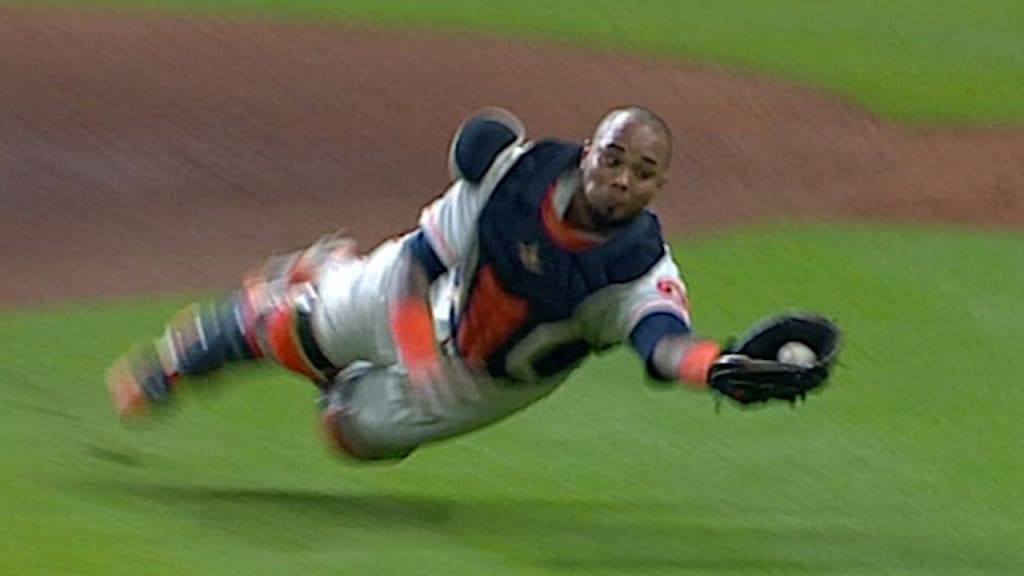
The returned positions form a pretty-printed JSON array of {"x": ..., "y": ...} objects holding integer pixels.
[
  {"x": 412, "y": 328},
  {"x": 697, "y": 361}
]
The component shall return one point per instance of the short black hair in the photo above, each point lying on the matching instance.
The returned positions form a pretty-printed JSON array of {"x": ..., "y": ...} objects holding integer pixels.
[{"x": 641, "y": 115}]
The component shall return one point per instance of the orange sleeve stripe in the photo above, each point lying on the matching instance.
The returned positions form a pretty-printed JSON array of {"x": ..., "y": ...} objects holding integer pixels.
[
  {"x": 696, "y": 363},
  {"x": 412, "y": 328}
]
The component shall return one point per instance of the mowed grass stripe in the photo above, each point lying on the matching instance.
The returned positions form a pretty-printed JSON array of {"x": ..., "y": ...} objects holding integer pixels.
[{"x": 906, "y": 464}]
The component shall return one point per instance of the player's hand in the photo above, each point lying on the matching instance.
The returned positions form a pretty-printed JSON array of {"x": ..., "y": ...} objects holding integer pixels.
[{"x": 436, "y": 386}]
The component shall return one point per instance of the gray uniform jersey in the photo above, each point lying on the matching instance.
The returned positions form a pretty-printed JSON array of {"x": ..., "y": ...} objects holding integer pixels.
[{"x": 352, "y": 327}]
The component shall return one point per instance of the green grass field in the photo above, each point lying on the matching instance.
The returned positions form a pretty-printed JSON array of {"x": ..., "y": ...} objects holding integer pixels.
[
  {"x": 917, "y": 61},
  {"x": 908, "y": 465}
]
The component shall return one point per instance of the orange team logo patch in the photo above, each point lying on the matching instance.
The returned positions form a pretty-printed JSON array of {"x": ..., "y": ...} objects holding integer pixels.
[
  {"x": 674, "y": 291},
  {"x": 529, "y": 255}
]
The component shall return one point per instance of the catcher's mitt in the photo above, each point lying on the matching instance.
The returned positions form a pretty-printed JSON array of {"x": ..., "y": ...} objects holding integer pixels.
[{"x": 750, "y": 372}]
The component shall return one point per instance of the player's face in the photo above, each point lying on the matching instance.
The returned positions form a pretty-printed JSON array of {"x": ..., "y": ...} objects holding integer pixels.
[{"x": 623, "y": 168}]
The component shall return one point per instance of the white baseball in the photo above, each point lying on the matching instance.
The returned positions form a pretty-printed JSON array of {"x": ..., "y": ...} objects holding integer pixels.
[{"x": 797, "y": 353}]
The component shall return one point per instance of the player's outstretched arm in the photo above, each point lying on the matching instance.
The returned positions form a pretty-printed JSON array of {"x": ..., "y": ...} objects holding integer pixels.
[
  {"x": 758, "y": 368},
  {"x": 684, "y": 357}
]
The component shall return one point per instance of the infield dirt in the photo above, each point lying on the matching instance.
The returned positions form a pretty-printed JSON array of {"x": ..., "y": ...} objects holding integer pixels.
[{"x": 151, "y": 154}]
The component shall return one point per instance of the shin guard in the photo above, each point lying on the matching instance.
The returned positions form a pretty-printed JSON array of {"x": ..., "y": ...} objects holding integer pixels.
[{"x": 205, "y": 336}]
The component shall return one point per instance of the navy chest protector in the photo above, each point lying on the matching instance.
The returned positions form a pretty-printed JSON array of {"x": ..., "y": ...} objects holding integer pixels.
[{"x": 522, "y": 265}]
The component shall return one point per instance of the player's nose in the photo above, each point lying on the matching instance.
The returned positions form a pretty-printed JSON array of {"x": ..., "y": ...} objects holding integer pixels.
[{"x": 622, "y": 180}]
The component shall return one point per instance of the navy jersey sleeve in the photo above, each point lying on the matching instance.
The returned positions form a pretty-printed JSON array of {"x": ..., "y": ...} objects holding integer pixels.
[
  {"x": 649, "y": 331},
  {"x": 421, "y": 250}
]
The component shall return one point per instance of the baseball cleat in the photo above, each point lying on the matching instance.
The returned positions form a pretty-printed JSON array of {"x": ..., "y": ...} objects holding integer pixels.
[{"x": 137, "y": 381}]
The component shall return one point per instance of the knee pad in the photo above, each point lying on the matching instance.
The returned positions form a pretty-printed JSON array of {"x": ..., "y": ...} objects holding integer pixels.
[
  {"x": 332, "y": 425},
  {"x": 278, "y": 320}
]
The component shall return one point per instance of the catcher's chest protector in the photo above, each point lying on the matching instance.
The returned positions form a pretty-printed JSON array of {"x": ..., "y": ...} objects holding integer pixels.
[{"x": 521, "y": 268}]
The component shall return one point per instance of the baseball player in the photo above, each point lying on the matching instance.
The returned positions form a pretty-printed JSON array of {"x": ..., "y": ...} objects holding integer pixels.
[{"x": 539, "y": 254}]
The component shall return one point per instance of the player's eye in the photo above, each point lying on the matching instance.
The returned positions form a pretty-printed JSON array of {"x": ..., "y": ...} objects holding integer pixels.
[
  {"x": 644, "y": 174},
  {"x": 609, "y": 160}
]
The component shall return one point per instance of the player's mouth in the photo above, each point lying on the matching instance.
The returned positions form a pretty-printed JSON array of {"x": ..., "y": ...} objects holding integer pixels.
[
  {"x": 613, "y": 211},
  {"x": 606, "y": 216}
]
